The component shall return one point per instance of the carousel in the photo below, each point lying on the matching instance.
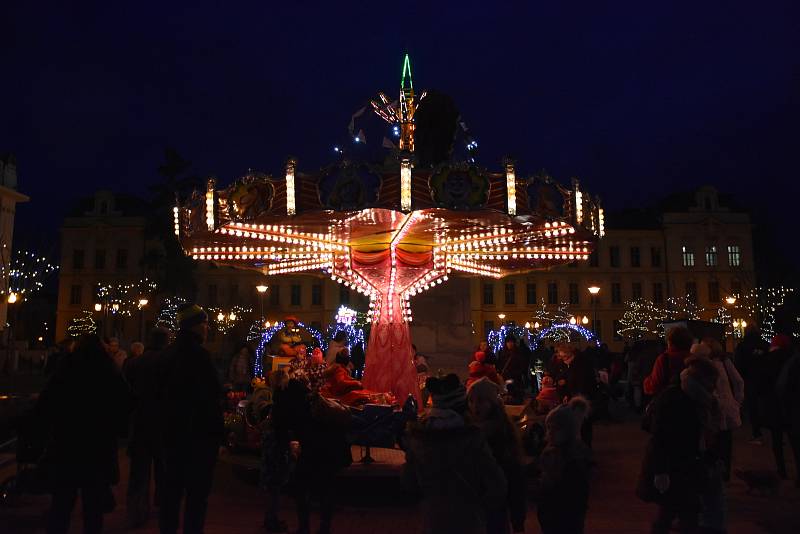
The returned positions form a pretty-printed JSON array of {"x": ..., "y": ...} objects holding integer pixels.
[{"x": 392, "y": 229}]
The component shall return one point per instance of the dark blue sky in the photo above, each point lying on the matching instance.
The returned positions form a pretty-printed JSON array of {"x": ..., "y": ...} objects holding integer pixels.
[{"x": 635, "y": 98}]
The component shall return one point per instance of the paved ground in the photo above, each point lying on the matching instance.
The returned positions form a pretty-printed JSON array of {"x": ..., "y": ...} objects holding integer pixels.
[{"x": 374, "y": 504}]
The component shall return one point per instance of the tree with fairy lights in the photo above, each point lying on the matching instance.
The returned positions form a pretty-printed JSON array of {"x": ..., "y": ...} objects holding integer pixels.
[
  {"x": 123, "y": 299},
  {"x": 25, "y": 274},
  {"x": 83, "y": 324},
  {"x": 168, "y": 314},
  {"x": 760, "y": 304},
  {"x": 640, "y": 319},
  {"x": 226, "y": 320}
]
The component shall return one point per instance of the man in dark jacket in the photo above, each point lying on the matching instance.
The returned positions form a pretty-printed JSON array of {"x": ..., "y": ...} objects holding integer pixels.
[
  {"x": 144, "y": 446},
  {"x": 747, "y": 358},
  {"x": 192, "y": 423},
  {"x": 84, "y": 407},
  {"x": 574, "y": 375}
]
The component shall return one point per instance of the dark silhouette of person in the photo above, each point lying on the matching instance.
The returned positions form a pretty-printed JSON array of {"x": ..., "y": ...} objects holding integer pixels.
[
  {"x": 85, "y": 408},
  {"x": 192, "y": 424}
]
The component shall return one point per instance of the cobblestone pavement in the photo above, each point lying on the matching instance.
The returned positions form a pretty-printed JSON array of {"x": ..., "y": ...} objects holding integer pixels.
[{"x": 370, "y": 500}]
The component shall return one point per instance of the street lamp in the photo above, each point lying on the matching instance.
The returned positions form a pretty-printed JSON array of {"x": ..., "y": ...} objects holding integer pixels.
[
  {"x": 501, "y": 316},
  {"x": 730, "y": 300},
  {"x": 142, "y": 303},
  {"x": 220, "y": 317},
  {"x": 12, "y": 298},
  {"x": 527, "y": 325},
  {"x": 261, "y": 288},
  {"x": 585, "y": 319},
  {"x": 572, "y": 320},
  {"x": 594, "y": 291},
  {"x": 98, "y": 307}
]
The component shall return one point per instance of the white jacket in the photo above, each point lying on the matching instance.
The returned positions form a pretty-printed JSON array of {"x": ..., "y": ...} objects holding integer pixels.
[{"x": 730, "y": 393}]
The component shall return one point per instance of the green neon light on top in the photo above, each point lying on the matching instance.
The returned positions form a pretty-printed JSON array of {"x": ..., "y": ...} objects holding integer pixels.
[{"x": 406, "y": 68}]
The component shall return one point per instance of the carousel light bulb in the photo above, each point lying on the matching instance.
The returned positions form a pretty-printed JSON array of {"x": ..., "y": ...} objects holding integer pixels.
[
  {"x": 266, "y": 324},
  {"x": 405, "y": 184},
  {"x": 511, "y": 189},
  {"x": 572, "y": 320}
]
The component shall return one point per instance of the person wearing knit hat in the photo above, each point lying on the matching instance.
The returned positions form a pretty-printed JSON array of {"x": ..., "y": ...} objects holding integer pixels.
[
  {"x": 563, "y": 491},
  {"x": 483, "y": 365},
  {"x": 487, "y": 411},
  {"x": 451, "y": 464},
  {"x": 700, "y": 350},
  {"x": 193, "y": 427}
]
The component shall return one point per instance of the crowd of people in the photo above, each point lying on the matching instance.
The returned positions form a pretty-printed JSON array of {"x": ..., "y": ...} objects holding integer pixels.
[{"x": 465, "y": 456}]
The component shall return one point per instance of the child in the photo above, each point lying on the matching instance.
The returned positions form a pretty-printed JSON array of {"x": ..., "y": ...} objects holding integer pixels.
[
  {"x": 563, "y": 490},
  {"x": 547, "y": 399},
  {"x": 483, "y": 365}
]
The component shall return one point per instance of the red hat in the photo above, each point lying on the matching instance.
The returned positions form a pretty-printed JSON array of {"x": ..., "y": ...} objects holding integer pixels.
[
  {"x": 781, "y": 341},
  {"x": 479, "y": 356},
  {"x": 291, "y": 318}
]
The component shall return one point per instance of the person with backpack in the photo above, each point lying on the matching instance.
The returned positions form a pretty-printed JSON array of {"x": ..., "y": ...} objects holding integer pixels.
[{"x": 669, "y": 364}]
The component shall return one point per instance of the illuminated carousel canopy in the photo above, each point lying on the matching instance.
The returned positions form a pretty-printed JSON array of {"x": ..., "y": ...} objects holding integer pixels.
[{"x": 391, "y": 235}]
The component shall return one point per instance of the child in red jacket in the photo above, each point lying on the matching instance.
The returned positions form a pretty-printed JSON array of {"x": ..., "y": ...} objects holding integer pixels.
[{"x": 483, "y": 366}]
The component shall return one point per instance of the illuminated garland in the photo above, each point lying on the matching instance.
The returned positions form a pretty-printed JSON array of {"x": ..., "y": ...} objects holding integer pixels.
[
  {"x": 532, "y": 337},
  {"x": 81, "y": 325},
  {"x": 168, "y": 315},
  {"x": 761, "y": 303},
  {"x": 642, "y": 316},
  {"x": 266, "y": 337},
  {"x": 123, "y": 299},
  {"x": 26, "y": 275}
]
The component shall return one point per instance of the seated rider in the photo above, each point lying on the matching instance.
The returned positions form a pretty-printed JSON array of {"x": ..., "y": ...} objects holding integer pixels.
[
  {"x": 287, "y": 341},
  {"x": 309, "y": 369},
  {"x": 483, "y": 365},
  {"x": 342, "y": 387}
]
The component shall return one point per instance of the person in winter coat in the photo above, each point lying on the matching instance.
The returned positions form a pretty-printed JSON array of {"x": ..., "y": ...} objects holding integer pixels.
[
  {"x": 771, "y": 407},
  {"x": 788, "y": 389},
  {"x": 449, "y": 462},
  {"x": 749, "y": 353},
  {"x": 144, "y": 445},
  {"x": 562, "y": 492},
  {"x": 337, "y": 344},
  {"x": 512, "y": 364},
  {"x": 486, "y": 410},
  {"x": 680, "y": 452},
  {"x": 240, "y": 370},
  {"x": 339, "y": 385},
  {"x": 574, "y": 375},
  {"x": 481, "y": 366},
  {"x": 730, "y": 394},
  {"x": 275, "y": 459},
  {"x": 309, "y": 369},
  {"x": 85, "y": 408},
  {"x": 322, "y": 451},
  {"x": 669, "y": 365},
  {"x": 191, "y": 397}
]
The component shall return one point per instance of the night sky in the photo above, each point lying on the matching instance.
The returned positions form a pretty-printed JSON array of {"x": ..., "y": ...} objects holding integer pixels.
[{"x": 636, "y": 99}]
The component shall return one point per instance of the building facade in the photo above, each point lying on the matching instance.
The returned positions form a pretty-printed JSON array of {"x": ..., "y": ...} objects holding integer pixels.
[{"x": 9, "y": 198}]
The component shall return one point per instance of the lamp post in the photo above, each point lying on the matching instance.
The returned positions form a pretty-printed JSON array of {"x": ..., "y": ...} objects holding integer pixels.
[
  {"x": 261, "y": 288},
  {"x": 594, "y": 291},
  {"x": 142, "y": 303}
]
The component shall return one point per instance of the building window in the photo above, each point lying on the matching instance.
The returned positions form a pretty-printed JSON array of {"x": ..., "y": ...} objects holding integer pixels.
[
  {"x": 77, "y": 259},
  {"x": 655, "y": 256},
  {"x": 344, "y": 295},
  {"x": 636, "y": 258},
  {"x": 736, "y": 287},
  {"x": 295, "y": 294},
  {"x": 530, "y": 293},
  {"x": 594, "y": 260},
  {"x": 688, "y": 256},
  {"x": 636, "y": 290},
  {"x": 488, "y": 294},
  {"x": 122, "y": 258},
  {"x": 510, "y": 298},
  {"x": 734, "y": 255},
  {"x": 574, "y": 295},
  {"x": 658, "y": 293},
  {"x": 488, "y": 326},
  {"x": 275, "y": 295},
  {"x": 617, "y": 326},
  {"x": 713, "y": 291},
  {"x": 691, "y": 291},
  {"x": 99, "y": 259},
  {"x": 316, "y": 295},
  {"x": 613, "y": 256},
  {"x": 616, "y": 293},
  {"x": 212, "y": 294},
  {"x": 711, "y": 255},
  {"x": 552, "y": 293},
  {"x": 75, "y": 295}
]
